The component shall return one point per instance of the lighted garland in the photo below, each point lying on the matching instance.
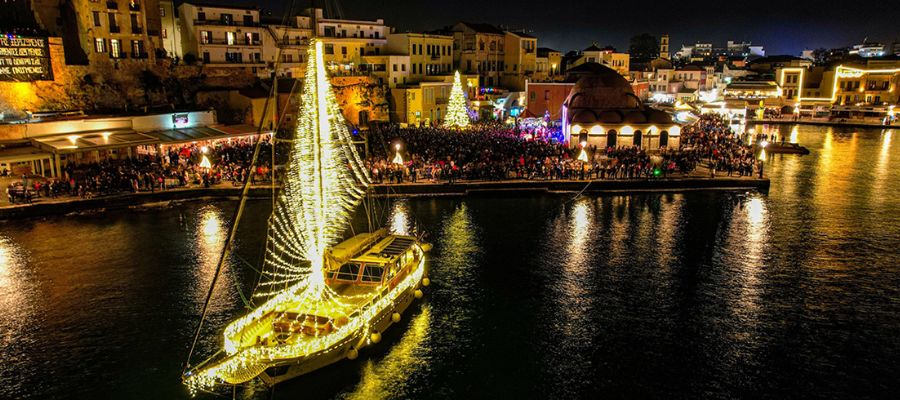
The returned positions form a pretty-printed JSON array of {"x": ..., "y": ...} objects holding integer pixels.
[
  {"x": 324, "y": 183},
  {"x": 457, "y": 112}
]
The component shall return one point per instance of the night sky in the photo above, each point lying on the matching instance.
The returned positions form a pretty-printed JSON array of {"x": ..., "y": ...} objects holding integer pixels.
[{"x": 782, "y": 27}]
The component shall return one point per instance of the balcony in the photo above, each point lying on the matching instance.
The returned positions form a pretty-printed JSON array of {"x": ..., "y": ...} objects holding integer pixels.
[
  {"x": 114, "y": 29},
  {"x": 234, "y": 43},
  {"x": 111, "y": 5},
  {"x": 121, "y": 56},
  {"x": 223, "y": 23},
  {"x": 137, "y": 30},
  {"x": 141, "y": 55},
  {"x": 235, "y": 62}
]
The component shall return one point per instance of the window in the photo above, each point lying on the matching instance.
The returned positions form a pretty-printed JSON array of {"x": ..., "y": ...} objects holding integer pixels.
[
  {"x": 546, "y": 95},
  {"x": 229, "y": 38},
  {"x": 395, "y": 68},
  {"x": 113, "y": 26},
  {"x": 329, "y": 49},
  {"x": 248, "y": 20},
  {"x": 403, "y": 67},
  {"x": 162, "y": 11},
  {"x": 372, "y": 273},
  {"x": 100, "y": 45},
  {"x": 348, "y": 272},
  {"x": 137, "y": 48},
  {"x": 344, "y": 50},
  {"x": 165, "y": 33},
  {"x": 205, "y": 37},
  {"x": 115, "y": 48},
  {"x": 206, "y": 57},
  {"x": 96, "y": 18}
]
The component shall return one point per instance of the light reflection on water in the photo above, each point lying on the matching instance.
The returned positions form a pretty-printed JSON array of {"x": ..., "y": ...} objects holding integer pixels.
[
  {"x": 388, "y": 377},
  {"x": 14, "y": 291},
  {"x": 687, "y": 295}
]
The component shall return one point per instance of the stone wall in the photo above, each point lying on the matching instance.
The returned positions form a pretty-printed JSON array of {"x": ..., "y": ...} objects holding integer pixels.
[
  {"x": 361, "y": 93},
  {"x": 110, "y": 87}
]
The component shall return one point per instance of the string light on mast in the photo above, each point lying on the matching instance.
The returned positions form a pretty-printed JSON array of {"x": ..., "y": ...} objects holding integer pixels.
[{"x": 457, "y": 112}]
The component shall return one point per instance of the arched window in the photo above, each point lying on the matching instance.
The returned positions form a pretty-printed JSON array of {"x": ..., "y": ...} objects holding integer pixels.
[
  {"x": 637, "y": 138},
  {"x": 663, "y": 138},
  {"x": 611, "y": 136}
]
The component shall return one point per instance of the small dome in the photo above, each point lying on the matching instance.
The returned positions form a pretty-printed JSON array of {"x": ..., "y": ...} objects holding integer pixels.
[
  {"x": 635, "y": 117},
  {"x": 659, "y": 117},
  {"x": 610, "y": 117},
  {"x": 584, "y": 117}
]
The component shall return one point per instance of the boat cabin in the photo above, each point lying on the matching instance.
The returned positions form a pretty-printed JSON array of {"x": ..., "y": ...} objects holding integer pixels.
[{"x": 376, "y": 264}]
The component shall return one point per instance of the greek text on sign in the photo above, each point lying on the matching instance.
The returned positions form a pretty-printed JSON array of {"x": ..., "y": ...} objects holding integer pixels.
[{"x": 24, "y": 59}]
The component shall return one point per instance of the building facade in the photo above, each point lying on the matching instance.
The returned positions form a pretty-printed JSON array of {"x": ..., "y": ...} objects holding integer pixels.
[
  {"x": 479, "y": 49},
  {"x": 223, "y": 37},
  {"x": 429, "y": 54},
  {"x": 520, "y": 60}
]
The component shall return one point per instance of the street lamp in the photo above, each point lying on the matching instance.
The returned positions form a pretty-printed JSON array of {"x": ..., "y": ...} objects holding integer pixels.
[{"x": 397, "y": 158}]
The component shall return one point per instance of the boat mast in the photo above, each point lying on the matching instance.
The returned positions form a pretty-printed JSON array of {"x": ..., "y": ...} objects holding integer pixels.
[{"x": 239, "y": 212}]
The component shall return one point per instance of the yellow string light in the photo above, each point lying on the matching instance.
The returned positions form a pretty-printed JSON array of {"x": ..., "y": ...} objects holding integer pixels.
[{"x": 324, "y": 184}]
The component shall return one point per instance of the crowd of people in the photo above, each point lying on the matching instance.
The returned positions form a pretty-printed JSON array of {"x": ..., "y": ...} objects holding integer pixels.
[
  {"x": 497, "y": 152},
  {"x": 173, "y": 167},
  {"x": 485, "y": 151},
  {"x": 711, "y": 138}
]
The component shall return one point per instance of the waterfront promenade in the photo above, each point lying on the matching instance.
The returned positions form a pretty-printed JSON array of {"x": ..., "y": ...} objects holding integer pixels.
[
  {"x": 700, "y": 179},
  {"x": 853, "y": 123}
]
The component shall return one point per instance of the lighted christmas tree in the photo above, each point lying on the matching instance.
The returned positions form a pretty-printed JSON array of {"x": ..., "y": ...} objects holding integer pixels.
[{"x": 457, "y": 112}]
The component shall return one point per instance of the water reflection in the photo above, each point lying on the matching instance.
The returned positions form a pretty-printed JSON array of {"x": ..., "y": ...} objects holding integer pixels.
[
  {"x": 570, "y": 305},
  {"x": 13, "y": 292},
  {"x": 795, "y": 132},
  {"x": 388, "y": 377},
  {"x": 745, "y": 245},
  {"x": 400, "y": 222},
  {"x": 209, "y": 238},
  {"x": 881, "y": 168}
]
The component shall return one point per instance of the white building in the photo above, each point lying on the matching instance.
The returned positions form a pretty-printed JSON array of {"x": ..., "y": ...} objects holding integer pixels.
[
  {"x": 288, "y": 43},
  {"x": 223, "y": 37},
  {"x": 170, "y": 31}
]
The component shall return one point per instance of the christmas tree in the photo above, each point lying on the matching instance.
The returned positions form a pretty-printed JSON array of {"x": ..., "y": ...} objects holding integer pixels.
[{"x": 457, "y": 112}]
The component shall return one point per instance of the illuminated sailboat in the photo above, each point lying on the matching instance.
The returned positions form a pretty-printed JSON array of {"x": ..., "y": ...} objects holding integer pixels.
[{"x": 321, "y": 301}]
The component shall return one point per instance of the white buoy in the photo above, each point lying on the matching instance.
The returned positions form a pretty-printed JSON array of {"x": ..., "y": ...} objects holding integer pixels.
[
  {"x": 418, "y": 293},
  {"x": 426, "y": 281},
  {"x": 375, "y": 337},
  {"x": 395, "y": 317},
  {"x": 352, "y": 354}
]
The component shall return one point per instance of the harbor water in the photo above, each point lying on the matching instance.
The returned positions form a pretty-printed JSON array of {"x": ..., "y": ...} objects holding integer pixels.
[{"x": 790, "y": 294}]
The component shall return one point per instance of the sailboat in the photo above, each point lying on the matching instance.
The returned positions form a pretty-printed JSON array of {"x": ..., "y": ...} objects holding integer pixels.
[{"x": 320, "y": 299}]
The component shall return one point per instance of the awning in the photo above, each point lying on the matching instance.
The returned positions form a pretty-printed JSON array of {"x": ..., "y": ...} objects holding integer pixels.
[
  {"x": 23, "y": 154},
  {"x": 185, "y": 135},
  {"x": 86, "y": 141},
  {"x": 112, "y": 139}
]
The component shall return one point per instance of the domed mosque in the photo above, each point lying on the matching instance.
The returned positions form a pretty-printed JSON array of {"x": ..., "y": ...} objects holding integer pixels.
[{"x": 602, "y": 110}]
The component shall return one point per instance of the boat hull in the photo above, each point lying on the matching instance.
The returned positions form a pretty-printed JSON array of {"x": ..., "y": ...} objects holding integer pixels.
[{"x": 380, "y": 323}]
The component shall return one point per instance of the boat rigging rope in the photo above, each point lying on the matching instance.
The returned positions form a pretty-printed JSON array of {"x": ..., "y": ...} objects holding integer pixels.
[{"x": 226, "y": 250}]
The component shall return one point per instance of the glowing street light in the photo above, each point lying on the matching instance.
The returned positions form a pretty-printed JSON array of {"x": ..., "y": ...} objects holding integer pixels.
[{"x": 397, "y": 158}]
